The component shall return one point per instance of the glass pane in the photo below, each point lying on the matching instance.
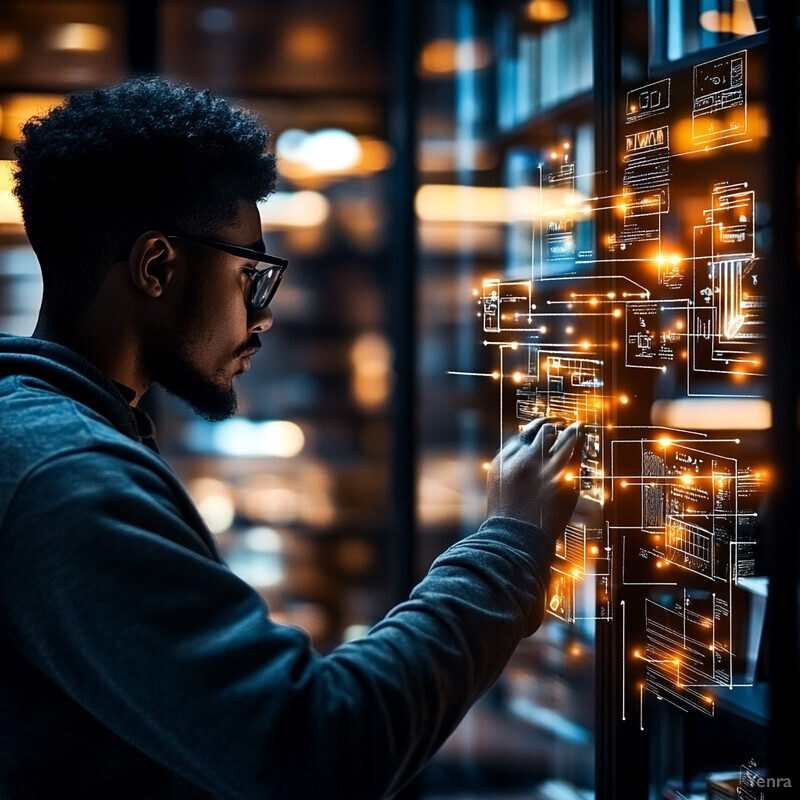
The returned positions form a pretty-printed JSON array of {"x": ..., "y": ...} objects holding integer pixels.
[{"x": 502, "y": 223}]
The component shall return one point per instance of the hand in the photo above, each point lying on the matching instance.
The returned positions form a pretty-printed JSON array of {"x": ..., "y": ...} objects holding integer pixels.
[{"x": 534, "y": 477}]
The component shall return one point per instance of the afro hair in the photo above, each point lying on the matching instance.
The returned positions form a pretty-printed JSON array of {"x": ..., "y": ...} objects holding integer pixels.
[{"x": 108, "y": 164}]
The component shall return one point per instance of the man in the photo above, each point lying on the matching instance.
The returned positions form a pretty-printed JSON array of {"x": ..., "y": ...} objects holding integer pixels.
[{"x": 133, "y": 663}]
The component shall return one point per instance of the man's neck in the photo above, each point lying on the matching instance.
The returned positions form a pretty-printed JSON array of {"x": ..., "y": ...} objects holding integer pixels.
[{"x": 111, "y": 348}]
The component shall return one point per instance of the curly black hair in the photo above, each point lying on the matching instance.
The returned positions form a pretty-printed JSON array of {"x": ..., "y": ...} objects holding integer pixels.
[{"x": 108, "y": 164}]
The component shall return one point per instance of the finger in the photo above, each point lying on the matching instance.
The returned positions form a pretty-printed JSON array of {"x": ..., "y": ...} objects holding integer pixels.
[
  {"x": 531, "y": 430},
  {"x": 568, "y": 449},
  {"x": 549, "y": 435}
]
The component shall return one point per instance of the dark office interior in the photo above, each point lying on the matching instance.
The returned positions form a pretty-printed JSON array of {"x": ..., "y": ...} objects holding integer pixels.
[{"x": 493, "y": 210}]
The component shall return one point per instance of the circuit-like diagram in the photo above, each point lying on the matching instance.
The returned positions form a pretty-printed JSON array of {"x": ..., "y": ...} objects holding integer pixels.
[{"x": 666, "y": 311}]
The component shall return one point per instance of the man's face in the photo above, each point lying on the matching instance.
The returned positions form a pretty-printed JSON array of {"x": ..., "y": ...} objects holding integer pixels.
[{"x": 214, "y": 334}]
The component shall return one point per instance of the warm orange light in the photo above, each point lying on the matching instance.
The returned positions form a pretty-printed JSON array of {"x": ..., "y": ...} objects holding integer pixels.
[{"x": 624, "y": 399}]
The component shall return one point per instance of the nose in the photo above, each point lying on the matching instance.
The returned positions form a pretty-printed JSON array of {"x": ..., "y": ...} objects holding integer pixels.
[{"x": 259, "y": 321}]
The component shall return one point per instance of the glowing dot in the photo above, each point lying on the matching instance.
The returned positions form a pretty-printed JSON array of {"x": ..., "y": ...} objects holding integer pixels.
[
  {"x": 624, "y": 484},
  {"x": 617, "y": 312},
  {"x": 486, "y": 465},
  {"x": 569, "y": 329},
  {"x": 517, "y": 377},
  {"x": 569, "y": 477},
  {"x": 542, "y": 329},
  {"x": 585, "y": 345},
  {"x": 637, "y": 654},
  {"x": 475, "y": 292},
  {"x": 664, "y": 441},
  {"x": 593, "y": 301},
  {"x": 686, "y": 478},
  {"x": 554, "y": 154},
  {"x": 495, "y": 375},
  {"x": 659, "y": 564},
  {"x": 514, "y": 345},
  {"x": 624, "y": 399}
]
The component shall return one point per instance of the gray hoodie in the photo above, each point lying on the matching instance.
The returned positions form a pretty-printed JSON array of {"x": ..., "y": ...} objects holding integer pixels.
[{"x": 134, "y": 663}]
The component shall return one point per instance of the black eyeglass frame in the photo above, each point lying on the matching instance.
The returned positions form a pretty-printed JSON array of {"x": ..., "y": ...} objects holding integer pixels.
[{"x": 260, "y": 276}]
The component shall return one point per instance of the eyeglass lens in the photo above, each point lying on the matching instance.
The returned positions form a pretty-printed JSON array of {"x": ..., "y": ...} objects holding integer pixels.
[{"x": 265, "y": 284}]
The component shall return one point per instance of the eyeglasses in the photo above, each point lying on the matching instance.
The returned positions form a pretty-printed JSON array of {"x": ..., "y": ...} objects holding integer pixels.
[{"x": 265, "y": 280}]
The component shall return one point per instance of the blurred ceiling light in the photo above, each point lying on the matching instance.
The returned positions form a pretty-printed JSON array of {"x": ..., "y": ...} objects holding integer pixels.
[
  {"x": 371, "y": 359},
  {"x": 713, "y": 413},
  {"x": 217, "y": 20},
  {"x": 214, "y": 502},
  {"x": 10, "y": 212},
  {"x": 79, "y": 36},
  {"x": 304, "y": 209},
  {"x": 376, "y": 155},
  {"x": 262, "y": 539},
  {"x": 492, "y": 204},
  {"x": 323, "y": 151},
  {"x": 442, "y": 57},
  {"x": 18, "y": 109},
  {"x": 10, "y": 47},
  {"x": 309, "y": 43},
  {"x": 547, "y": 10},
  {"x": 739, "y": 21},
  {"x": 244, "y": 437}
]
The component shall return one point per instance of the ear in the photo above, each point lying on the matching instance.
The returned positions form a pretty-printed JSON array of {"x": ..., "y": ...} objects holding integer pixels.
[{"x": 151, "y": 263}]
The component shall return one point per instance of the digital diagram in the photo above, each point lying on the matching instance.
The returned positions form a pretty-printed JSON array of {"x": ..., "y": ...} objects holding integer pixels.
[{"x": 666, "y": 309}]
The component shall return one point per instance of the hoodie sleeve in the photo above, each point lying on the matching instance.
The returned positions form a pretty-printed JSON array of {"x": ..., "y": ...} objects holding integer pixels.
[{"x": 114, "y": 597}]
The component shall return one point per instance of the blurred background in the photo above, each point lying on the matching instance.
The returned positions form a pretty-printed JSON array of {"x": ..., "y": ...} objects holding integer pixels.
[{"x": 366, "y": 421}]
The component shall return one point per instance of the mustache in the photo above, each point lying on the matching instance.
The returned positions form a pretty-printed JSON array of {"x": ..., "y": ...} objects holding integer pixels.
[{"x": 251, "y": 346}]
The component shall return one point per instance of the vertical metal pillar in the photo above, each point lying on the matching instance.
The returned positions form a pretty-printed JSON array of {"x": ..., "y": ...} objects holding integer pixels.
[
  {"x": 781, "y": 527},
  {"x": 402, "y": 305},
  {"x": 402, "y": 288},
  {"x": 621, "y": 750}
]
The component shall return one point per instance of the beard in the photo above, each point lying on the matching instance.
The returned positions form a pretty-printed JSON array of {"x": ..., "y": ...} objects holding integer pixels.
[{"x": 211, "y": 397}]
